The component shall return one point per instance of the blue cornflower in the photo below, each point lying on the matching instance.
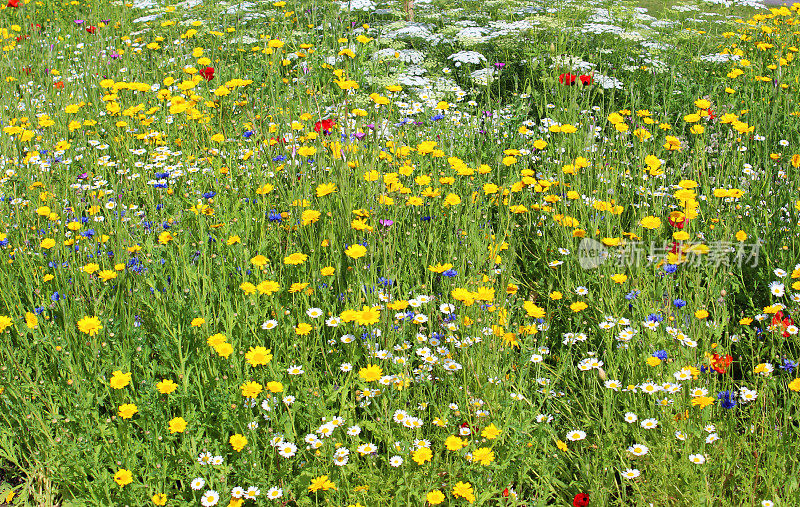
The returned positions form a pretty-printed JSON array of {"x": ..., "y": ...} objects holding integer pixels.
[
  {"x": 727, "y": 400},
  {"x": 450, "y": 273},
  {"x": 247, "y": 134},
  {"x": 788, "y": 365},
  {"x": 655, "y": 317},
  {"x": 274, "y": 216},
  {"x": 437, "y": 117},
  {"x": 679, "y": 303},
  {"x": 661, "y": 354},
  {"x": 162, "y": 176},
  {"x": 209, "y": 195},
  {"x": 279, "y": 158},
  {"x": 670, "y": 268},
  {"x": 632, "y": 295}
]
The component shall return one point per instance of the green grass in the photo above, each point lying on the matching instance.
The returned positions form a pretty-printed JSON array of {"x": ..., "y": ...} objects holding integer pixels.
[{"x": 415, "y": 266}]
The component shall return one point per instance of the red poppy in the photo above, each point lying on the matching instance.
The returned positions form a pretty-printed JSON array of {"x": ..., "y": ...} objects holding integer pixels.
[
  {"x": 91, "y": 29},
  {"x": 719, "y": 363},
  {"x": 505, "y": 493},
  {"x": 585, "y": 79},
  {"x": 207, "y": 73},
  {"x": 580, "y": 500},
  {"x": 59, "y": 85},
  {"x": 782, "y": 322},
  {"x": 567, "y": 79},
  {"x": 13, "y": 3},
  {"x": 678, "y": 224},
  {"x": 325, "y": 125},
  {"x": 27, "y": 70},
  {"x": 711, "y": 114}
]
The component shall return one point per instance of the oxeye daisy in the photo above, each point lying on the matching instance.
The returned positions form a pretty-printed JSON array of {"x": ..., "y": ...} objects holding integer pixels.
[
  {"x": 576, "y": 435},
  {"x": 631, "y": 473},
  {"x": 274, "y": 493}
]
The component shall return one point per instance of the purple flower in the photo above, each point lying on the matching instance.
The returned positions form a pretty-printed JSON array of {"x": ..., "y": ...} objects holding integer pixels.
[
  {"x": 78, "y": 21},
  {"x": 386, "y": 223}
]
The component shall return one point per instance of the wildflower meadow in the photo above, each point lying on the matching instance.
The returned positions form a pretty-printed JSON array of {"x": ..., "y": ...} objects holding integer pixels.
[{"x": 368, "y": 253}]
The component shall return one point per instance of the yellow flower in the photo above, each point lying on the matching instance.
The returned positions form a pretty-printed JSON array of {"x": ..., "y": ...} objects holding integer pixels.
[
  {"x": 650, "y": 222},
  {"x": 306, "y": 151},
  {"x": 159, "y": 499},
  {"x": 90, "y": 325},
  {"x": 484, "y": 455},
  {"x": 123, "y": 477},
  {"x": 303, "y": 329},
  {"x": 295, "y": 259},
  {"x": 490, "y": 432},
  {"x": 309, "y": 216},
  {"x": 702, "y": 401},
  {"x": 371, "y": 373},
  {"x": 127, "y": 410},
  {"x": 327, "y": 271},
  {"x": 47, "y": 243},
  {"x": 5, "y": 322},
  {"x": 224, "y": 350},
  {"x": 741, "y": 236},
  {"x": 164, "y": 238},
  {"x": 701, "y": 314},
  {"x": 31, "y": 320},
  {"x": 578, "y": 306},
  {"x": 325, "y": 189},
  {"x": 251, "y": 389},
  {"x": 368, "y": 316},
  {"x": 107, "y": 275},
  {"x": 794, "y": 385},
  {"x": 540, "y": 144},
  {"x": 619, "y": 278},
  {"x": 177, "y": 425},
  {"x": 421, "y": 455},
  {"x": 562, "y": 446},
  {"x": 119, "y": 379},
  {"x": 238, "y": 442},
  {"x": 532, "y": 310},
  {"x": 464, "y": 490},
  {"x": 435, "y": 497},
  {"x": 275, "y": 387},
  {"x": 298, "y": 286},
  {"x": 166, "y": 386},
  {"x": 653, "y": 361},
  {"x": 198, "y": 321},
  {"x": 232, "y": 240},
  {"x": 356, "y": 251},
  {"x": 452, "y": 199},
  {"x": 258, "y": 356},
  {"x": 321, "y": 483},
  {"x": 454, "y": 443},
  {"x": 222, "y": 91}
]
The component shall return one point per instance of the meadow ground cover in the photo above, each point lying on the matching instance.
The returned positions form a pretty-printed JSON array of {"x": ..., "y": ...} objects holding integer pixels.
[{"x": 304, "y": 252}]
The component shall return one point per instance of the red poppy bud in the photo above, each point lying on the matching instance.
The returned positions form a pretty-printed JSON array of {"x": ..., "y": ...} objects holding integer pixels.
[
  {"x": 505, "y": 493},
  {"x": 91, "y": 29}
]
